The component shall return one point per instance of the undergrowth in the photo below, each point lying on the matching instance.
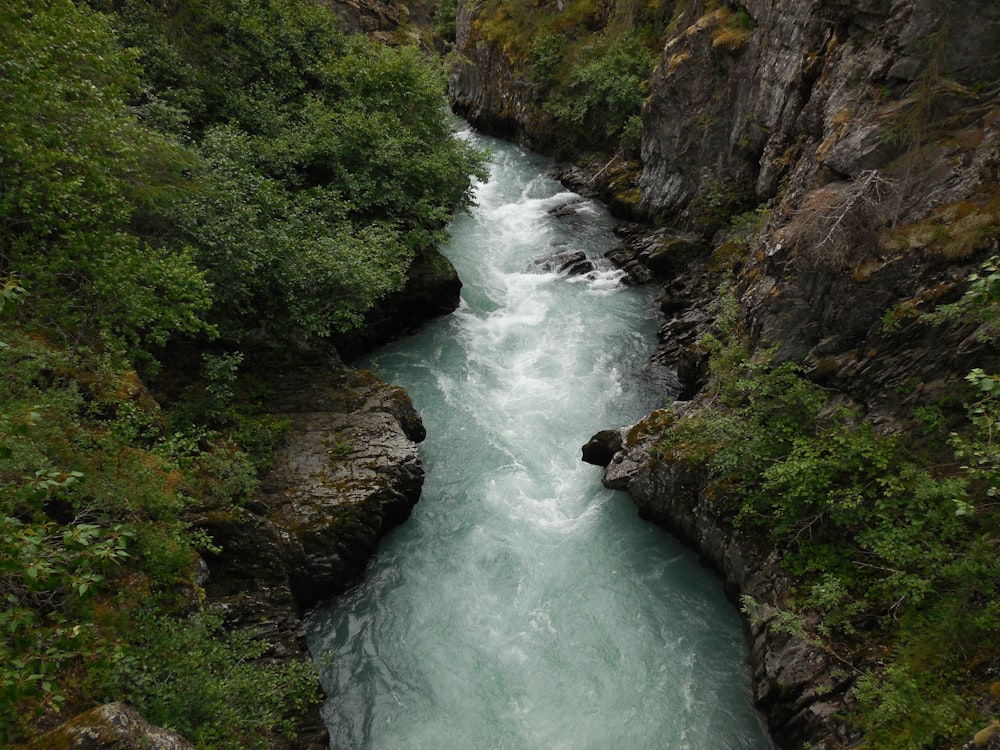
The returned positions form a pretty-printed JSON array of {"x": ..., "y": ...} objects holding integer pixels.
[
  {"x": 893, "y": 544},
  {"x": 97, "y": 552}
]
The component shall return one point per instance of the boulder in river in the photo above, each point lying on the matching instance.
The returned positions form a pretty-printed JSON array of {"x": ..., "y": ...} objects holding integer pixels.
[{"x": 569, "y": 262}]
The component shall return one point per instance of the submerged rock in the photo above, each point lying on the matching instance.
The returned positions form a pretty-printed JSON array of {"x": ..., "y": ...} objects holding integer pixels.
[{"x": 569, "y": 262}]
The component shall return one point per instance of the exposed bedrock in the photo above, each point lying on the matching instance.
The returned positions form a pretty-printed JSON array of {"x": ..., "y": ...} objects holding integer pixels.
[
  {"x": 112, "y": 726},
  {"x": 347, "y": 472}
]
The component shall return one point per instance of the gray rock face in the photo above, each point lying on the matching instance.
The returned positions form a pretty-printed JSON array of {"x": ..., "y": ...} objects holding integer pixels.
[
  {"x": 732, "y": 110},
  {"x": 113, "y": 726},
  {"x": 794, "y": 684},
  {"x": 486, "y": 88},
  {"x": 347, "y": 473}
]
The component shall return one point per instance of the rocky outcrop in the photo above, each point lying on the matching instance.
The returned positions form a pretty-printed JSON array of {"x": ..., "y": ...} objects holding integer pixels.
[
  {"x": 113, "y": 726},
  {"x": 389, "y": 22},
  {"x": 348, "y": 472},
  {"x": 432, "y": 289},
  {"x": 795, "y": 683},
  {"x": 488, "y": 89},
  {"x": 829, "y": 88},
  {"x": 866, "y": 127}
]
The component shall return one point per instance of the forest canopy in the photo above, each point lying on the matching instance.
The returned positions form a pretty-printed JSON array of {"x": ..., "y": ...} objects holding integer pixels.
[
  {"x": 215, "y": 167},
  {"x": 215, "y": 174}
]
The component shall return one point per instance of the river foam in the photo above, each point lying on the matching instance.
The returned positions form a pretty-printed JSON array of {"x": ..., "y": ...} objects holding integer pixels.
[{"x": 524, "y": 606}]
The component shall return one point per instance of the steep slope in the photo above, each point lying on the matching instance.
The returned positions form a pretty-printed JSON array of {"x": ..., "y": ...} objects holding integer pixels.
[{"x": 833, "y": 169}]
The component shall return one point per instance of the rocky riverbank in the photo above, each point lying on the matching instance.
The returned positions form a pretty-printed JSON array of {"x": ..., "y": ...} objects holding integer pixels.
[
  {"x": 835, "y": 167},
  {"x": 347, "y": 471},
  {"x": 798, "y": 686}
]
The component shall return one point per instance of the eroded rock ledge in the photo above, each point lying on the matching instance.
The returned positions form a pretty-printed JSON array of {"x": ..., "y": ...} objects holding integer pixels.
[
  {"x": 347, "y": 472},
  {"x": 796, "y": 686}
]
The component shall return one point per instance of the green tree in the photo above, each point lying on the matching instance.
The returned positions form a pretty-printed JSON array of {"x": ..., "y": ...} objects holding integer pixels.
[
  {"x": 328, "y": 161},
  {"x": 605, "y": 94},
  {"x": 75, "y": 164}
]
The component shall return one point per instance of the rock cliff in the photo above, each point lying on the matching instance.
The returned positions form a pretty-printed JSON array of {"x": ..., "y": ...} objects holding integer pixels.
[
  {"x": 861, "y": 138},
  {"x": 348, "y": 472}
]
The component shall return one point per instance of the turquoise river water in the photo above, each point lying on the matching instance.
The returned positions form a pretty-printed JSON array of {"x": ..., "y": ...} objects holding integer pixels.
[{"x": 523, "y": 606}]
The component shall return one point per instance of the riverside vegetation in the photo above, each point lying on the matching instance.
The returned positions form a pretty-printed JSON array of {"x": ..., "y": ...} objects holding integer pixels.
[
  {"x": 181, "y": 185},
  {"x": 891, "y": 539}
]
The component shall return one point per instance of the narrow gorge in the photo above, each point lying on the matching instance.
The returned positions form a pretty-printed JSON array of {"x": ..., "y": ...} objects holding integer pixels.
[
  {"x": 685, "y": 438},
  {"x": 522, "y": 605},
  {"x": 823, "y": 183}
]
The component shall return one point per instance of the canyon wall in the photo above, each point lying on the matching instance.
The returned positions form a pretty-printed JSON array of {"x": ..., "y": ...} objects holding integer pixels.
[{"x": 861, "y": 139}]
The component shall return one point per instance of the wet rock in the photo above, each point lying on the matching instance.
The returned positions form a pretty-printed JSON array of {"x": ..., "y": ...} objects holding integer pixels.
[
  {"x": 602, "y": 447},
  {"x": 568, "y": 262},
  {"x": 566, "y": 209}
]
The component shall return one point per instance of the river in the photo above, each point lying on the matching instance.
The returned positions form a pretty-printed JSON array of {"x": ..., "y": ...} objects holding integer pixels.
[{"x": 523, "y": 606}]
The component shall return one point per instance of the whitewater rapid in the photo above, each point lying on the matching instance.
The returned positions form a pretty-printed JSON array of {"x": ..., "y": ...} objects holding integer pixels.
[{"x": 523, "y": 605}]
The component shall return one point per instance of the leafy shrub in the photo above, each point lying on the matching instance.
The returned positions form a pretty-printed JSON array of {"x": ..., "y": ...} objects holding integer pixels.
[
  {"x": 326, "y": 162},
  {"x": 170, "y": 173},
  {"x": 192, "y": 676},
  {"x": 546, "y": 55},
  {"x": 605, "y": 94}
]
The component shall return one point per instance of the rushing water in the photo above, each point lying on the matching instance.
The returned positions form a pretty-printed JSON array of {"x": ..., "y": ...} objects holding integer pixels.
[{"x": 523, "y": 606}]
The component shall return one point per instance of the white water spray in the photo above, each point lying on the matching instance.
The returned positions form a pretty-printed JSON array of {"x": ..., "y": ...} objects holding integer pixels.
[{"x": 523, "y": 606}]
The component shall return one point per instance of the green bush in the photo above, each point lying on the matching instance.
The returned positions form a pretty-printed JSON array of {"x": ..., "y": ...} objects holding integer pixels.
[
  {"x": 75, "y": 163},
  {"x": 327, "y": 161},
  {"x": 192, "y": 676},
  {"x": 605, "y": 93},
  {"x": 885, "y": 541}
]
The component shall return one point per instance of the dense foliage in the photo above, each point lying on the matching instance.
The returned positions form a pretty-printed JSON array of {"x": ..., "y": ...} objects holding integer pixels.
[
  {"x": 889, "y": 544},
  {"x": 75, "y": 161},
  {"x": 589, "y": 63},
  {"x": 205, "y": 170}
]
